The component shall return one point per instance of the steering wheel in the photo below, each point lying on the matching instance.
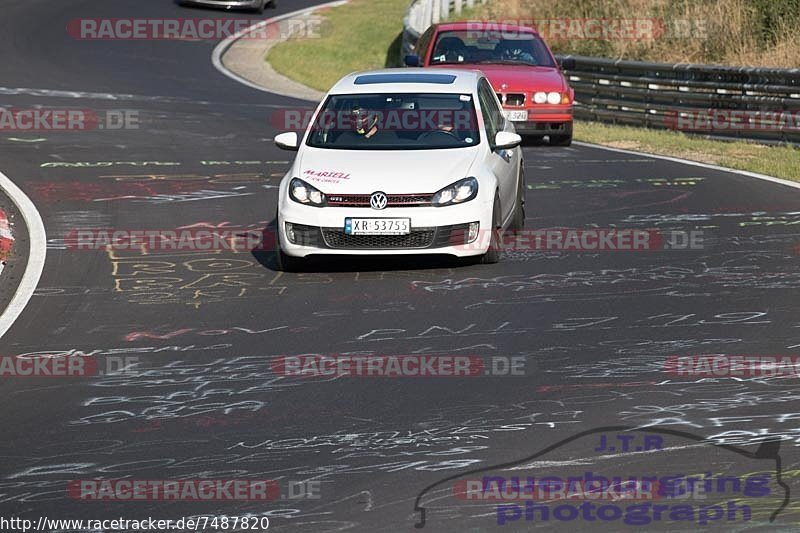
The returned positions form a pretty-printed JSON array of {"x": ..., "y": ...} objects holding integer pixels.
[
  {"x": 517, "y": 53},
  {"x": 450, "y": 135}
]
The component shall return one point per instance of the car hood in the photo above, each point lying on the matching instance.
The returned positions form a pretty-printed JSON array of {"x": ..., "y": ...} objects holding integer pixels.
[
  {"x": 390, "y": 171},
  {"x": 518, "y": 78}
]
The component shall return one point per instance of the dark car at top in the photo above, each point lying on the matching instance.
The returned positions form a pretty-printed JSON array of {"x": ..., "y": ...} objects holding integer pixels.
[
  {"x": 528, "y": 80},
  {"x": 253, "y": 5}
]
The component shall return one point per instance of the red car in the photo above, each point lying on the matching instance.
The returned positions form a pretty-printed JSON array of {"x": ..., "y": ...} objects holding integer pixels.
[{"x": 523, "y": 72}]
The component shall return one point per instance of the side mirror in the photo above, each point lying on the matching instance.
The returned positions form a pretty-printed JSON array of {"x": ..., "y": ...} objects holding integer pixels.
[
  {"x": 505, "y": 140},
  {"x": 567, "y": 63},
  {"x": 287, "y": 141},
  {"x": 411, "y": 60}
]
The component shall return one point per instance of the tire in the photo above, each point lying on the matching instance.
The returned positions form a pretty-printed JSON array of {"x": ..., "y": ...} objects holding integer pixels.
[
  {"x": 561, "y": 140},
  {"x": 260, "y": 8},
  {"x": 492, "y": 255},
  {"x": 284, "y": 262},
  {"x": 518, "y": 220},
  {"x": 273, "y": 4}
]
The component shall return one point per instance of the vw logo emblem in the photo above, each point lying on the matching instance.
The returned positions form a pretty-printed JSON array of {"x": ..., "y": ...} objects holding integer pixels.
[{"x": 378, "y": 200}]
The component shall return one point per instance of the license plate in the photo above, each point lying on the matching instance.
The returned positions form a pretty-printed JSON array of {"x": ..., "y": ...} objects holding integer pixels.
[
  {"x": 377, "y": 226},
  {"x": 517, "y": 115}
]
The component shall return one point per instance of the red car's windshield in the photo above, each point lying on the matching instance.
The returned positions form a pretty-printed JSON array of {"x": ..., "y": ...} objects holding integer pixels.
[{"x": 480, "y": 46}]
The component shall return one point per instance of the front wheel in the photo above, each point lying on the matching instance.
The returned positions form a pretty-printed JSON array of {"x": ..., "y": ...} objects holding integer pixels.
[
  {"x": 286, "y": 263},
  {"x": 518, "y": 220},
  {"x": 492, "y": 255}
]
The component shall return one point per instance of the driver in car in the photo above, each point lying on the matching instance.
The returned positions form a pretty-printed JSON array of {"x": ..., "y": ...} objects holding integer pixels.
[
  {"x": 363, "y": 126},
  {"x": 365, "y": 123},
  {"x": 515, "y": 51}
]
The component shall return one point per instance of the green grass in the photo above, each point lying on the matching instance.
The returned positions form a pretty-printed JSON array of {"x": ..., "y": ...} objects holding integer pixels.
[
  {"x": 365, "y": 34},
  {"x": 360, "y": 35},
  {"x": 779, "y": 161}
]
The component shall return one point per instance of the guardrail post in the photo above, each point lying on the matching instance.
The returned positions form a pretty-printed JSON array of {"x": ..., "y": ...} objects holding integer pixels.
[{"x": 427, "y": 13}]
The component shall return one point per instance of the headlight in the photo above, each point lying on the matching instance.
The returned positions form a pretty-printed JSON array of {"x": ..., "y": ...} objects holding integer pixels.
[
  {"x": 306, "y": 194},
  {"x": 456, "y": 193},
  {"x": 553, "y": 98}
]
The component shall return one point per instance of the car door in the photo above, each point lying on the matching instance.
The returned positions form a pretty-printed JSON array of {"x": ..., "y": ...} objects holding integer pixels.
[{"x": 504, "y": 164}]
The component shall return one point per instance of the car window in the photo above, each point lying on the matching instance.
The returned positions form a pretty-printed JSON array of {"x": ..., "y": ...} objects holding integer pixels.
[
  {"x": 496, "y": 109},
  {"x": 422, "y": 45},
  {"x": 489, "y": 46},
  {"x": 396, "y": 121},
  {"x": 488, "y": 120},
  {"x": 492, "y": 114}
]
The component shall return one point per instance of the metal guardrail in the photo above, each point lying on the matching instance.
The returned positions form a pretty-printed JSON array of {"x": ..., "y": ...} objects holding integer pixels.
[
  {"x": 760, "y": 104},
  {"x": 750, "y": 103}
]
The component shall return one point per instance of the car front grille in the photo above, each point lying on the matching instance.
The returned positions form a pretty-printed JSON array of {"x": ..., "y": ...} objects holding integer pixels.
[
  {"x": 419, "y": 238},
  {"x": 512, "y": 99},
  {"x": 438, "y": 237},
  {"x": 515, "y": 99},
  {"x": 394, "y": 200}
]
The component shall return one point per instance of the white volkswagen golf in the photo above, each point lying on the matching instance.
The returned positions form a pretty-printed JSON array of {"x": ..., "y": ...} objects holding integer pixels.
[{"x": 402, "y": 162}]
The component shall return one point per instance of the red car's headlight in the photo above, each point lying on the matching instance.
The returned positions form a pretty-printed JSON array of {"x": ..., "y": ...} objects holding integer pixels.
[{"x": 552, "y": 97}]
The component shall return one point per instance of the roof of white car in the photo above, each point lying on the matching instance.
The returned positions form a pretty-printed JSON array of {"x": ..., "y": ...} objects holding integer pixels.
[{"x": 409, "y": 80}]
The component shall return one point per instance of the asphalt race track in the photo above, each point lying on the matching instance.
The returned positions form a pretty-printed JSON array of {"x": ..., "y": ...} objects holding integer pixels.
[{"x": 198, "y": 331}]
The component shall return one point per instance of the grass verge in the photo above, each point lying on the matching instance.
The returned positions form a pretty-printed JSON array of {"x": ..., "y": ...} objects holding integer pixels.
[
  {"x": 360, "y": 35},
  {"x": 365, "y": 34},
  {"x": 779, "y": 161}
]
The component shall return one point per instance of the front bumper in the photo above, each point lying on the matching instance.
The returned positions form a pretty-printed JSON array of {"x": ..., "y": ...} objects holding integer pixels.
[
  {"x": 545, "y": 119},
  {"x": 434, "y": 230},
  {"x": 544, "y": 127}
]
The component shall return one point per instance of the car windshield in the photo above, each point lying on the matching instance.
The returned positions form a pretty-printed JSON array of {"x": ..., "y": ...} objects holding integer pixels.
[
  {"x": 403, "y": 121},
  {"x": 487, "y": 46}
]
